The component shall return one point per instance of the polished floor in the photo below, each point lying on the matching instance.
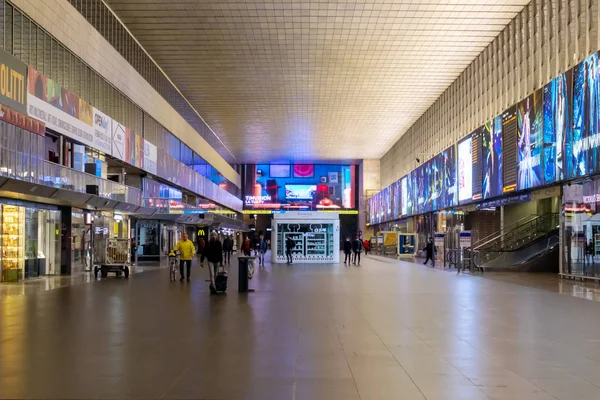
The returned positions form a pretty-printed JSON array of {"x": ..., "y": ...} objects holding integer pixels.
[{"x": 385, "y": 330}]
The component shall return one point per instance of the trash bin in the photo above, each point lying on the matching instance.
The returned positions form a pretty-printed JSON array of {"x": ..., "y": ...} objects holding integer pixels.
[{"x": 243, "y": 273}]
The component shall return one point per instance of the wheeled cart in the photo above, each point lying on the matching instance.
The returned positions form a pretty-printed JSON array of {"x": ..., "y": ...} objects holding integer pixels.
[{"x": 115, "y": 258}]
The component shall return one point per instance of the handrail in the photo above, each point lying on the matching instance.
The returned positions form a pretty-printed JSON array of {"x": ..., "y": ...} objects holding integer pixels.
[
  {"x": 512, "y": 232},
  {"x": 510, "y": 227}
]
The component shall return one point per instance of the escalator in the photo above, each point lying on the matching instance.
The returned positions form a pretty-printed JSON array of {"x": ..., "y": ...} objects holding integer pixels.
[{"x": 532, "y": 245}]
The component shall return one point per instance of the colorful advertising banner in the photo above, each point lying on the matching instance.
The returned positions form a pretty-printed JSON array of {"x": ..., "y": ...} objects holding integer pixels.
[
  {"x": 404, "y": 189},
  {"x": 492, "y": 158},
  {"x": 530, "y": 131},
  {"x": 12, "y": 82},
  {"x": 448, "y": 165},
  {"x": 13, "y": 117},
  {"x": 59, "y": 109},
  {"x": 557, "y": 125},
  {"x": 583, "y": 147},
  {"x": 102, "y": 131},
  {"x": 150, "y": 157},
  {"x": 397, "y": 200}
]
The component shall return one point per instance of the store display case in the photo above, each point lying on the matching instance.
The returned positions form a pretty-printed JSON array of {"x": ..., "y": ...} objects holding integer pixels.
[
  {"x": 12, "y": 261},
  {"x": 316, "y": 236}
]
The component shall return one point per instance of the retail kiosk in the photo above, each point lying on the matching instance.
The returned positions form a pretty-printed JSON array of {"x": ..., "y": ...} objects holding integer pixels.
[{"x": 316, "y": 236}]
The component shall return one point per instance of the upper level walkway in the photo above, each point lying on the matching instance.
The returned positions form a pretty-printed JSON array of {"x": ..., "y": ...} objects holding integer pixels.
[{"x": 385, "y": 330}]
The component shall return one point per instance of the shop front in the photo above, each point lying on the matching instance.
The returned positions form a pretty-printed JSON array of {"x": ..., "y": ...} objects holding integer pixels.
[{"x": 30, "y": 241}]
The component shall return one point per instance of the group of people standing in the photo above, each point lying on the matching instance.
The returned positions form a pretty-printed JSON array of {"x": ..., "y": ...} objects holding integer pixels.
[{"x": 353, "y": 249}]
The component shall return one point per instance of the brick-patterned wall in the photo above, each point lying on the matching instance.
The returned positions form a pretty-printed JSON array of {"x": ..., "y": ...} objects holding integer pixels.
[{"x": 69, "y": 27}]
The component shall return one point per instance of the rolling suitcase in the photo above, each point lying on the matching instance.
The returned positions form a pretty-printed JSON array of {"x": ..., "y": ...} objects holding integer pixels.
[{"x": 221, "y": 281}]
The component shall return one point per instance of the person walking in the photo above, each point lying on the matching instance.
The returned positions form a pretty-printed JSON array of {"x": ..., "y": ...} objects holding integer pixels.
[
  {"x": 214, "y": 256},
  {"x": 262, "y": 249},
  {"x": 247, "y": 247},
  {"x": 227, "y": 249},
  {"x": 429, "y": 252},
  {"x": 367, "y": 246},
  {"x": 289, "y": 247},
  {"x": 201, "y": 246},
  {"x": 186, "y": 250},
  {"x": 347, "y": 251},
  {"x": 357, "y": 248}
]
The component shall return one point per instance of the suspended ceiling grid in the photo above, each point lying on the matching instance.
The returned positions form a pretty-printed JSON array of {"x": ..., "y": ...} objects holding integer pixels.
[{"x": 313, "y": 80}]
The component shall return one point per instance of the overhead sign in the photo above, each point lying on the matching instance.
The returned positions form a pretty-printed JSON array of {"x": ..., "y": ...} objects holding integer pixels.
[{"x": 12, "y": 82}]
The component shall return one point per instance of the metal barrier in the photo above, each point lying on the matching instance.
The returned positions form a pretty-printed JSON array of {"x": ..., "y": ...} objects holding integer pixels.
[{"x": 462, "y": 259}]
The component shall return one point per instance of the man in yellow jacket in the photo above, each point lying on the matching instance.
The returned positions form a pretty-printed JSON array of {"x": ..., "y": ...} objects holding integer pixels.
[{"x": 186, "y": 250}]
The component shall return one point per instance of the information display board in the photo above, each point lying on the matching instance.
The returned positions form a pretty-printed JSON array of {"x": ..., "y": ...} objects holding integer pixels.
[
  {"x": 492, "y": 158},
  {"x": 465, "y": 170},
  {"x": 509, "y": 153},
  {"x": 477, "y": 168}
]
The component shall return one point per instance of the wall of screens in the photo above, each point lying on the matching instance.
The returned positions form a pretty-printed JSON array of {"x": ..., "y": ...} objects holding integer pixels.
[{"x": 551, "y": 135}]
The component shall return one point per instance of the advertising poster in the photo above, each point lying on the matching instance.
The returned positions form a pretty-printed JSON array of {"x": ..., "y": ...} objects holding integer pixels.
[
  {"x": 102, "y": 131},
  {"x": 120, "y": 141},
  {"x": 150, "y": 157},
  {"x": 397, "y": 200},
  {"x": 530, "y": 136},
  {"x": 465, "y": 170},
  {"x": 138, "y": 149},
  {"x": 436, "y": 182},
  {"x": 410, "y": 199},
  {"x": 404, "y": 190},
  {"x": 509, "y": 149},
  {"x": 419, "y": 189},
  {"x": 492, "y": 158},
  {"x": 557, "y": 126},
  {"x": 12, "y": 82},
  {"x": 583, "y": 152},
  {"x": 450, "y": 191},
  {"x": 58, "y": 108}
]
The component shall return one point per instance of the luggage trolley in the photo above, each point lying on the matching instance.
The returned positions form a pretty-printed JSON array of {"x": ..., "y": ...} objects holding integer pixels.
[{"x": 115, "y": 258}]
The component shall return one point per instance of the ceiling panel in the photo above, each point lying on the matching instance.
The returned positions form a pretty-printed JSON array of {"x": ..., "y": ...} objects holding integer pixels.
[{"x": 313, "y": 80}]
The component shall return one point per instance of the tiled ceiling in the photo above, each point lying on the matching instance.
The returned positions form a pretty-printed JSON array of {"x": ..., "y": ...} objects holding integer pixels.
[{"x": 313, "y": 80}]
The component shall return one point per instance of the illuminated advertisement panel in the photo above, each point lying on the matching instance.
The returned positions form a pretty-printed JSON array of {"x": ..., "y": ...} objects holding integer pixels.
[
  {"x": 299, "y": 187},
  {"x": 448, "y": 173},
  {"x": 509, "y": 152},
  {"x": 557, "y": 125},
  {"x": 404, "y": 190},
  {"x": 530, "y": 136},
  {"x": 582, "y": 147},
  {"x": 465, "y": 170},
  {"x": 397, "y": 200},
  {"x": 410, "y": 194},
  {"x": 492, "y": 158}
]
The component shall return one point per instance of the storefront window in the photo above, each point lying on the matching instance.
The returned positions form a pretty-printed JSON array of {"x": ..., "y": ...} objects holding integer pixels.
[
  {"x": 148, "y": 239},
  {"x": 313, "y": 241}
]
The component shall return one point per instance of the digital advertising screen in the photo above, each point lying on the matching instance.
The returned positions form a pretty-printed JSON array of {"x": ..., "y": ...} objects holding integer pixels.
[
  {"x": 411, "y": 205},
  {"x": 509, "y": 149},
  {"x": 449, "y": 196},
  {"x": 492, "y": 158},
  {"x": 477, "y": 169},
  {"x": 397, "y": 200},
  {"x": 465, "y": 170},
  {"x": 557, "y": 126},
  {"x": 419, "y": 189},
  {"x": 386, "y": 204},
  {"x": 404, "y": 190},
  {"x": 530, "y": 137},
  {"x": 583, "y": 152},
  {"x": 299, "y": 187},
  {"x": 436, "y": 183}
]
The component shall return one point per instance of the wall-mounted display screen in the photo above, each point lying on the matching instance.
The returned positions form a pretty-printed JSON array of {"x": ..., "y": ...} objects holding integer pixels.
[
  {"x": 279, "y": 171},
  {"x": 396, "y": 200},
  {"x": 477, "y": 170},
  {"x": 492, "y": 158},
  {"x": 410, "y": 193},
  {"x": 509, "y": 153},
  {"x": 583, "y": 152},
  {"x": 465, "y": 170},
  {"x": 530, "y": 129},
  {"x": 404, "y": 189},
  {"x": 557, "y": 125},
  {"x": 436, "y": 181},
  {"x": 323, "y": 187},
  {"x": 448, "y": 168}
]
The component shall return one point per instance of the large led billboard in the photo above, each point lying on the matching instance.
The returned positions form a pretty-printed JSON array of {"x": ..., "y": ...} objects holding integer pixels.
[
  {"x": 557, "y": 125},
  {"x": 404, "y": 190},
  {"x": 530, "y": 137},
  {"x": 448, "y": 174},
  {"x": 583, "y": 146},
  {"x": 299, "y": 187},
  {"x": 396, "y": 200},
  {"x": 465, "y": 170},
  {"x": 492, "y": 158}
]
